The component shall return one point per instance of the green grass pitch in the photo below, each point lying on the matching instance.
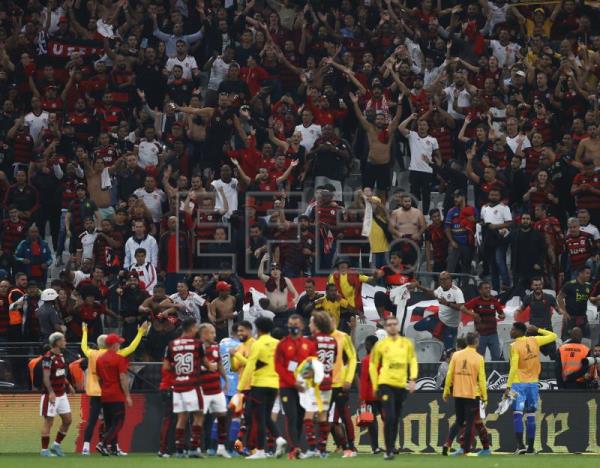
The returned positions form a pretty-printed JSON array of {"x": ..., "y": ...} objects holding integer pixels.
[{"x": 362, "y": 461}]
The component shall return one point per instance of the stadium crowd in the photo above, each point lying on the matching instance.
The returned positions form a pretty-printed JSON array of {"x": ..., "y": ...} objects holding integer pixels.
[{"x": 155, "y": 155}]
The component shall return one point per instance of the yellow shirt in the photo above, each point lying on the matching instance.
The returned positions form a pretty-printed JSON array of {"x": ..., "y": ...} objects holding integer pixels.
[
  {"x": 466, "y": 375},
  {"x": 525, "y": 364},
  {"x": 530, "y": 28},
  {"x": 398, "y": 362},
  {"x": 92, "y": 387},
  {"x": 333, "y": 308},
  {"x": 260, "y": 366},
  {"x": 377, "y": 239},
  {"x": 344, "y": 366},
  {"x": 347, "y": 290},
  {"x": 240, "y": 357}
]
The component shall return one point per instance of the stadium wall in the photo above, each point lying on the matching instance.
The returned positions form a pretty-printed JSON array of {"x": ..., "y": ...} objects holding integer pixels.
[{"x": 567, "y": 423}]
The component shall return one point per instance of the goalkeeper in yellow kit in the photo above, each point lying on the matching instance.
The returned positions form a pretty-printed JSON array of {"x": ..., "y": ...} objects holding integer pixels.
[{"x": 523, "y": 378}]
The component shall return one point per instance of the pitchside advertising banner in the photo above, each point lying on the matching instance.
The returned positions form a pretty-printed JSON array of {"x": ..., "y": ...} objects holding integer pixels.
[{"x": 567, "y": 422}]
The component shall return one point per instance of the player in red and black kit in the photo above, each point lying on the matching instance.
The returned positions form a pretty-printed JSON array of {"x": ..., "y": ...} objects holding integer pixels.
[
  {"x": 166, "y": 396},
  {"x": 484, "y": 310},
  {"x": 54, "y": 399},
  {"x": 185, "y": 356},
  {"x": 215, "y": 402},
  {"x": 317, "y": 401},
  {"x": 579, "y": 246},
  {"x": 291, "y": 351}
]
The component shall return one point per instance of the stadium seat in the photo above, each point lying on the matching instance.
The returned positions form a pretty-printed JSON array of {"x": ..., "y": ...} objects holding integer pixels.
[{"x": 429, "y": 351}]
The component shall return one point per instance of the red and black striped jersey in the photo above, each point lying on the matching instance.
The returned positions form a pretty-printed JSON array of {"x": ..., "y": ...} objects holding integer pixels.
[
  {"x": 487, "y": 309},
  {"x": 586, "y": 198},
  {"x": 185, "y": 357},
  {"x": 210, "y": 381},
  {"x": 55, "y": 363},
  {"x": 326, "y": 352},
  {"x": 22, "y": 148},
  {"x": 579, "y": 249},
  {"x": 12, "y": 234}
]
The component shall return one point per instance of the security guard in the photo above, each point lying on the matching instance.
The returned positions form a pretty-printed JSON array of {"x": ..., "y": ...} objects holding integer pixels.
[
  {"x": 264, "y": 381},
  {"x": 570, "y": 370}
]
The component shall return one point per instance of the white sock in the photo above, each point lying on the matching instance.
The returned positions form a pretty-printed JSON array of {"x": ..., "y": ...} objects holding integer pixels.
[
  {"x": 86, "y": 446},
  {"x": 260, "y": 451}
]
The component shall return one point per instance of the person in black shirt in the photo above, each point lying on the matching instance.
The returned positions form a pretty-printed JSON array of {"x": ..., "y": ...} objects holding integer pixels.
[
  {"x": 306, "y": 303},
  {"x": 132, "y": 297},
  {"x": 233, "y": 85},
  {"x": 451, "y": 176},
  {"x": 573, "y": 299},
  {"x": 527, "y": 253},
  {"x": 517, "y": 179},
  {"x": 179, "y": 89},
  {"x": 328, "y": 156},
  {"x": 257, "y": 246},
  {"x": 149, "y": 78},
  {"x": 540, "y": 307}
]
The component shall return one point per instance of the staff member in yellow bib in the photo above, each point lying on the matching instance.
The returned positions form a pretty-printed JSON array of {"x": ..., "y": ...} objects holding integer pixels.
[
  {"x": 344, "y": 369},
  {"x": 523, "y": 378},
  {"x": 92, "y": 387},
  {"x": 393, "y": 370},
  {"x": 260, "y": 373},
  {"x": 467, "y": 383}
]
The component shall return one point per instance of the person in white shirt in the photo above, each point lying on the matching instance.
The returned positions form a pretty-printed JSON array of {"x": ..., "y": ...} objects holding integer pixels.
[
  {"x": 451, "y": 299},
  {"x": 504, "y": 50},
  {"x": 583, "y": 216},
  {"x": 87, "y": 238},
  {"x": 149, "y": 149},
  {"x": 170, "y": 40},
  {"x": 310, "y": 131},
  {"x": 145, "y": 270},
  {"x": 497, "y": 219},
  {"x": 219, "y": 67},
  {"x": 36, "y": 120},
  {"x": 152, "y": 197},
  {"x": 227, "y": 186},
  {"x": 185, "y": 302},
  {"x": 140, "y": 240},
  {"x": 495, "y": 12},
  {"x": 515, "y": 140},
  {"x": 457, "y": 95},
  {"x": 423, "y": 150},
  {"x": 77, "y": 276},
  {"x": 56, "y": 12},
  {"x": 185, "y": 61}
]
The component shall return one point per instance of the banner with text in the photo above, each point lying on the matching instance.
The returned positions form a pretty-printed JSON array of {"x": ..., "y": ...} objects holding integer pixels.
[{"x": 567, "y": 422}]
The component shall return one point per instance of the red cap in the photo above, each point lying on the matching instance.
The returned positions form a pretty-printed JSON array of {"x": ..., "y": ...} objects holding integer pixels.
[
  {"x": 223, "y": 286},
  {"x": 113, "y": 338}
]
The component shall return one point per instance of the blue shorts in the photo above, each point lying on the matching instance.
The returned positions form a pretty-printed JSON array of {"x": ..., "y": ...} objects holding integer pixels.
[{"x": 527, "y": 397}]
